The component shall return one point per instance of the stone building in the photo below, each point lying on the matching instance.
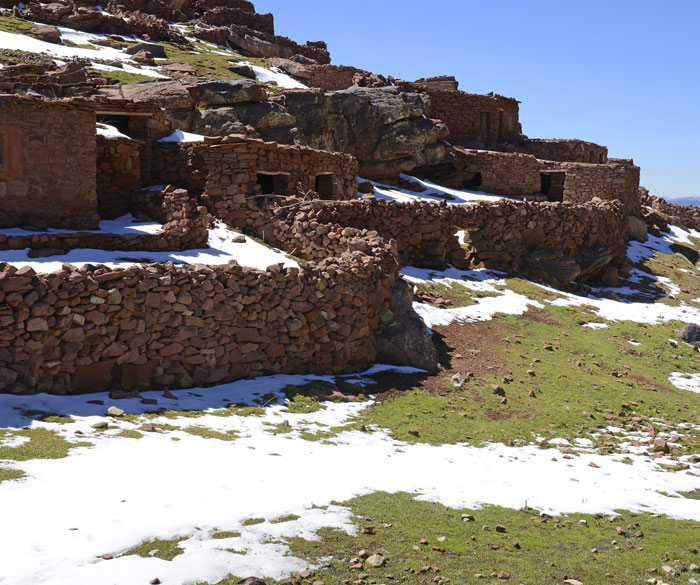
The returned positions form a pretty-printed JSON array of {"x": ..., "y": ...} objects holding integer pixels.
[{"x": 47, "y": 163}]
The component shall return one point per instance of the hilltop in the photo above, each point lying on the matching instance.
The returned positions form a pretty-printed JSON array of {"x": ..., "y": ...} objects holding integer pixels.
[{"x": 271, "y": 320}]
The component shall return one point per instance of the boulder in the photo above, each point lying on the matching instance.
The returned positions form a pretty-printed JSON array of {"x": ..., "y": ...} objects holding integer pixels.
[
  {"x": 49, "y": 34},
  {"x": 637, "y": 229},
  {"x": 220, "y": 122},
  {"x": 158, "y": 51},
  {"x": 402, "y": 338},
  {"x": 226, "y": 93},
  {"x": 271, "y": 121},
  {"x": 594, "y": 261},
  {"x": 172, "y": 95},
  {"x": 386, "y": 129},
  {"x": 144, "y": 58},
  {"x": 690, "y": 333},
  {"x": 553, "y": 266}
]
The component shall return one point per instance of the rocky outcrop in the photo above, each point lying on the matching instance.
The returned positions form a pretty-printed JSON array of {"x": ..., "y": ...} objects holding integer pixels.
[
  {"x": 403, "y": 339},
  {"x": 385, "y": 129}
]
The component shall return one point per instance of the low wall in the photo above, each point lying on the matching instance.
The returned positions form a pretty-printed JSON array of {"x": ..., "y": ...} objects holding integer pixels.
[
  {"x": 83, "y": 330},
  {"x": 500, "y": 234},
  {"x": 185, "y": 228},
  {"x": 617, "y": 179},
  {"x": 578, "y": 151},
  {"x": 687, "y": 216},
  {"x": 118, "y": 175}
]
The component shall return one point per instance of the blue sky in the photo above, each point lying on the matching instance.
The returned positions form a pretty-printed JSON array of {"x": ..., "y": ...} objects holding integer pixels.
[{"x": 621, "y": 73}]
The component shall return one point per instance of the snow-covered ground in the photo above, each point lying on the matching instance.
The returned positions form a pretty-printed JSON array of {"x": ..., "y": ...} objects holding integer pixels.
[
  {"x": 107, "y": 499},
  {"x": 433, "y": 192},
  {"x": 222, "y": 249}
]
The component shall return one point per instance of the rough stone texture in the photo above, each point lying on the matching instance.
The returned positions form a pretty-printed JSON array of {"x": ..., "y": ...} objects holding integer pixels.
[
  {"x": 188, "y": 326},
  {"x": 403, "y": 338},
  {"x": 637, "y": 229},
  {"x": 617, "y": 179},
  {"x": 225, "y": 16},
  {"x": 473, "y": 118},
  {"x": 561, "y": 150},
  {"x": 332, "y": 77},
  {"x": 385, "y": 129},
  {"x": 185, "y": 227},
  {"x": 230, "y": 168},
  {"x": 118, "y": 175},
  {"x": 48, "y": 175},
  {"x": 687, "y": 216},
  {"x": 208, "y": 94},
  {"x": 690, "y": 333},
  {"x": 502, "y": 173}
]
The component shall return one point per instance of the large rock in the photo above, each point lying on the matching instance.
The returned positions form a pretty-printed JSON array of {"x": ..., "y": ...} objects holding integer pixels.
[
  {"x": 172, "y": 95},
  {"x": 50, "y": 34},
  {"x": 384, "y": 128},
  {"x": 690, "y": 333},
  {"x": 226, "y": 93},
  {"x": 402, "y": 338},
  {"x": 594, "y": 261},
  {"x": 158, "y": 51},
  {"x": 271, "y": 121},
  {"x": 637, "y": 229},
  {"x": 552, "y": 266},
  {"x": 218, "y": 122}
]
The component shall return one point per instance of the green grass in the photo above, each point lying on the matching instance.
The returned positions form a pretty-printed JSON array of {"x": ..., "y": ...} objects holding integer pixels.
[
  {"x": 207, "y": 433},
  {"x": 224, "y": 534},
  {"x": 165, "y": 550},
  {"x": 457, "y": 295},
  {"x": 120, "y": 77},
  {"x": 42, "y": 444},
  {"x": 429, "y": 543},
  {"x": 15, "y": 26},
  {"x": 253, "y": 521},
  {"x": 581, "y": 378},
  {"x": 130, "y": 434},
  {"x": 7, "y": 474},
  {"x": 207, "y": 63}
]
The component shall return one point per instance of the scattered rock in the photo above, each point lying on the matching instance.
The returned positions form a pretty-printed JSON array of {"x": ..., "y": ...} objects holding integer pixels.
[
  {"x": 375, "y": 560},
  {"x": 114, "y": 411},
  {"x": 690, "y": 333}
]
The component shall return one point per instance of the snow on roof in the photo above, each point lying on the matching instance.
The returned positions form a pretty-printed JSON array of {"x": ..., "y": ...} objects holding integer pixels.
[{"x": 433, "y": 192}]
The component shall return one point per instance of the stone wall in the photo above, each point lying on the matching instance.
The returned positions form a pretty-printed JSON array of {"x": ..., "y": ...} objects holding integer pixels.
[
  {"x": 472, "y": 118},
  {"x": 47, "y": 175},
  {"x": 564, "y": 150},
  {"x": 336, "y": 77},
  {"x": 118, "y": 175},
  {"x": 81, "y": 330},
  {"x": 501, "y": 234},
  {"x": 498, "y": 172},
  {"x": 185, "y": 227},
  {"x": 237, "y": 168},
  {"x": 617, "y": 179}
]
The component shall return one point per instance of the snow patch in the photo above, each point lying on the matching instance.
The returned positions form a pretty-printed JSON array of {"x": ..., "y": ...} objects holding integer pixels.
[{"x": 180, "y": 136}]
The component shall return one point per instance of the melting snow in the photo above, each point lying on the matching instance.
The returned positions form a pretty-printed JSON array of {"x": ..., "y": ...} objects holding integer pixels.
[
  {"x": 685, "y": 381},
  {"x": 111, "y": 497},
  {"x": 273, "y": 75},
  {"x": 109, "y": 131},
  {"x": 180, "y": 136},
  {"x": 433, "y": 192}
]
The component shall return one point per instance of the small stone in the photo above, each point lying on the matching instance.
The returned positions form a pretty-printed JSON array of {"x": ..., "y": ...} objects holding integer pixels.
[
  {"x": 168, "y": 394},
  {"x": 503, "y": 575},
  {"x": 107, "y": 557},
  {"x": 501, "y": 529},
  {"x": 660, "y": 446},
  {"x": 114, "y": 411},
  {"x": 572, "y": 582},
  {"x": 155, "y": 581},
  {"x": 239, "y": 240},
  {"x": 467, "y": 518},
  {"x": 147, "y": 428},
  {"x": 441, "y": 538},
  {"x": 531, "y": 373},
  {"x": 485, "y": 528},
  {"x": 457, "y": 380},
  {"x": 375, "y": 561},
  {"x": 149, "y": 401},
  {"x": 531, "y": 393},
  {"x": 101, "y": 425},
  {"x": 363, "y": 554}
]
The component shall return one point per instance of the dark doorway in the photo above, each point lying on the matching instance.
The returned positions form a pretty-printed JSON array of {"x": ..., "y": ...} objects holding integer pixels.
[
  {"x": 324, "y": 186},
  {"x": 471, "y": 181},
  {"x": 552, "y": 185},
  {"x": 485, "y": 127},
  {"x": 273, "y": 183},
  {"x": 121, "y": 123}
]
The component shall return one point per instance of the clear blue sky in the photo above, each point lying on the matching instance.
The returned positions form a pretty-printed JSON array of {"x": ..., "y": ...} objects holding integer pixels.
[{"x": 621, "y": 73}]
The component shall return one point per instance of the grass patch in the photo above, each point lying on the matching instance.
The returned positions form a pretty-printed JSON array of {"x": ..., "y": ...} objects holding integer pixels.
[
  {"x": 222, "y": 535},
  {"x": 42, "y": 444},
  {"x": 206, "y": 433},
  {"x": 283, "y": 519},
  {"x": 7, "y": 474},
  {"x": 253, "y": 521},
  {"x": 15, "y": 26},
  {"x": 130, "y": 434},
  {"x": 120, "y": 77},
  {"x": 165, "y": 550},
  {"x": 430, "y": 543},
  {"x": 560, "y": 379}
]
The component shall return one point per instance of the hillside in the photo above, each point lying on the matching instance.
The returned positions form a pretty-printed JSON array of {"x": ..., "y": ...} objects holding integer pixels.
[{"x": 269, "y": 320}]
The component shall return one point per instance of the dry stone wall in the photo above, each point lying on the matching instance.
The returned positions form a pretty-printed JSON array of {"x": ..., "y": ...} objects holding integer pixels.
[
  {"x": 578, "y": 151},
  {"x": 498, "y": 172},
  {"x": 684, "y": 215},
  {"x": 501, "y": 234},
  {"x": 487, "y": 119},
  {"x": 48, "y": 173},
  {"x": 617, "y": 179},
  {"x": 81, "y": 330}
]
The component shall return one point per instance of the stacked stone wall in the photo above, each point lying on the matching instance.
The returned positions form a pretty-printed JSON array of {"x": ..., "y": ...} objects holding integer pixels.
[
  {"x": 687, "y": 216},
  {"x": 81, "y": 330},
  {"x": 502, "y": 233},
  {"x": 617, "y": 179},
  {"x": 48, "y": 171},
  {"x": 472, "y": 118},
  {"x": 118, "y": 175},
  {"x": 501, "y": 173},
  {"x": 337, "y": 77},
  {"x": 577, "y": 151}
]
